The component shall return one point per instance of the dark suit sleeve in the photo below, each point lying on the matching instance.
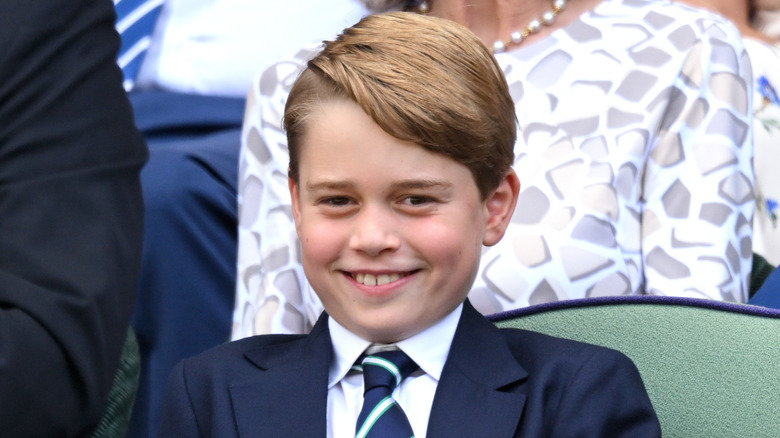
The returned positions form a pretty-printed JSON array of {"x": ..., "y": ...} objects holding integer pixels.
[
  {"x": 178, "y": 417},
  {"x": 70, "y": 214},
  {"x": 606, "y": 397}
]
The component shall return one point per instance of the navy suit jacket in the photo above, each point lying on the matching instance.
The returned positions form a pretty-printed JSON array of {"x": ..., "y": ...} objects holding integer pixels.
[{"x": 495, "y": 383}]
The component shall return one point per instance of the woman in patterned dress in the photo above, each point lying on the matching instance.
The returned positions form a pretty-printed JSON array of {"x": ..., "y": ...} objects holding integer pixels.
[{"x": 634, "y": 154}]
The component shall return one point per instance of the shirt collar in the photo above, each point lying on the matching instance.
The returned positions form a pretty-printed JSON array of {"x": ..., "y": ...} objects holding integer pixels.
[
  {"x": 429, "y": 348},
  {"x": 347, "y": 348}
]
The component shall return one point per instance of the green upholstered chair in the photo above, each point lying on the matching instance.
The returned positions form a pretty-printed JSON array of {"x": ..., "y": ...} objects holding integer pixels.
[
  {"x": 712, "y": 369},
  {"x": 119, "y": 406}
]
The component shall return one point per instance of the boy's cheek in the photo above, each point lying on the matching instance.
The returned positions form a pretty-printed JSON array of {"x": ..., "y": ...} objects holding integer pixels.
[{"x": 321, "y": 243}]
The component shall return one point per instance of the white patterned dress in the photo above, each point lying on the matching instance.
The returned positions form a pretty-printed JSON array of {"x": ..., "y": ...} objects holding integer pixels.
[{"x": 634, "y": 154}]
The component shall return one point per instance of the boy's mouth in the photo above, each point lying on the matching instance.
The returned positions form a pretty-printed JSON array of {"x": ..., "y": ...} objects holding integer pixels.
[{"x": 378, "y": 280}]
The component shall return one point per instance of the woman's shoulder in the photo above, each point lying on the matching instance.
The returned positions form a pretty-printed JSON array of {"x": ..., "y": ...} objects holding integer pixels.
[{"x": 662, "y": 16}]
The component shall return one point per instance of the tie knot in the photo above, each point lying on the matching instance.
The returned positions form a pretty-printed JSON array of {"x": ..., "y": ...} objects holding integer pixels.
[{"x": 387, "y": 368}]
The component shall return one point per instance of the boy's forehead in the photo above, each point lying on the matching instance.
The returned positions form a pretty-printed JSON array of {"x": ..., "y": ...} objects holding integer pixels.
[
  {"x": 341, "y": 118},
  {"x": 343, "y": 146},
  {"x": 339, "y": 124}
]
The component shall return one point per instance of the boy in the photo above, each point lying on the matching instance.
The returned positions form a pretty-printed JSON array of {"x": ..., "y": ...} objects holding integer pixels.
[{"x": 401, "y": 135}]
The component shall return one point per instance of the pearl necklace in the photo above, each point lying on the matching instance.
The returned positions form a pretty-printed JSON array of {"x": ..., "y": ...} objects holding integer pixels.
[{"x": 517, "y": 36}]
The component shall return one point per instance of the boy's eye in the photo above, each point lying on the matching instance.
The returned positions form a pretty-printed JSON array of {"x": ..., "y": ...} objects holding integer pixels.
[
  {"x": 335, "y": 201},
  {"x": 416, "y": 200}
]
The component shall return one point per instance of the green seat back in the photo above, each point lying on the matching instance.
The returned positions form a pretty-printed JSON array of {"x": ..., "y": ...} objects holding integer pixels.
[{"x": 711, "y": 369}]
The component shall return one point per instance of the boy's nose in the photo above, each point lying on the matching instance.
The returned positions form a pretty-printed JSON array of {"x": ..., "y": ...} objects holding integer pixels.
[{"x": 374, "y": 232}]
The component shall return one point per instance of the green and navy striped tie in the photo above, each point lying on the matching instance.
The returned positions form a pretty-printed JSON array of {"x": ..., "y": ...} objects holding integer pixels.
[{"x": 381, "y": 416}]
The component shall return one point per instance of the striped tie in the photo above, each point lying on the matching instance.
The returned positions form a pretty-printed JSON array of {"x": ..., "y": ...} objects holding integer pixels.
[
  {"x": 134, "y": 21},
  {"x": 381, "y": 416}
]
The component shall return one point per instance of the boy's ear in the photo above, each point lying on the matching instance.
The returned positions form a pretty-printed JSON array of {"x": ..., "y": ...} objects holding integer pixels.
[
  {"x": 295, "y": 201},
  {"x": 499, "y": 206}
]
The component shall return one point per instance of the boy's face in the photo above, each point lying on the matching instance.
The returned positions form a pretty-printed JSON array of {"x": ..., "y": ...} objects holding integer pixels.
[{"x": 391, "y": 233}]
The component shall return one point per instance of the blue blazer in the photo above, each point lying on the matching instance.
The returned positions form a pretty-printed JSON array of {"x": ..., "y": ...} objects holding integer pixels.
[{"x": 495, "y": 383}]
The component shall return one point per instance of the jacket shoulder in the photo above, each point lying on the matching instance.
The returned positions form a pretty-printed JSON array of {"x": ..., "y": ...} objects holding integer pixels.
[
  {"x": 533, "y": 350},
  {"x": 233, "y": 358}
]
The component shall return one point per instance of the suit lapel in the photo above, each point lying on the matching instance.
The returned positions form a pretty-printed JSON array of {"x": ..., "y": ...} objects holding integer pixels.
[
  {"x": 289, "y": 395},
  {"x": 475, "y": 394}
]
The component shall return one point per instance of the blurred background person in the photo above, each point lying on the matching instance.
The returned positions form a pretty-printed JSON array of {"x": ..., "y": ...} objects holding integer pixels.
[{"x": 71, "y": 215}]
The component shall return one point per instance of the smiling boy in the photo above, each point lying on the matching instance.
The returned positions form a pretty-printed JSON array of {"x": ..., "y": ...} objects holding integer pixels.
[
  {"x": 401, "y": 136},
  {"x": 393, "y": 231}
]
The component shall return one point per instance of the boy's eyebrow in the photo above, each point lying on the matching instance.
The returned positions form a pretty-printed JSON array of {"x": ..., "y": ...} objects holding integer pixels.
[
  {"x": 402, "y": 185},
  {"x": 327, "y": 185},
  {"x": 423, "y": 184}
]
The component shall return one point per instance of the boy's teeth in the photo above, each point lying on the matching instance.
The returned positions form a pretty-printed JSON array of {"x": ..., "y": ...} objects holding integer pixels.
[
  {"x": 376, "y": 280},
  {"x": 369, "y": 280}
]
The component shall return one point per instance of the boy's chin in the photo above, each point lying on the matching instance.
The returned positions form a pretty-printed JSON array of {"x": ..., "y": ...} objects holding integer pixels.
[{"x": 385, "y": 334}]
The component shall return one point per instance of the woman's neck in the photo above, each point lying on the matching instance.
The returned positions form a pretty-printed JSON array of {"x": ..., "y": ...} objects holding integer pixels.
[
  {"x": 736, "y": 11},
  {"x": 768, "y": 22},
  {"x": 494, "y": 20}
]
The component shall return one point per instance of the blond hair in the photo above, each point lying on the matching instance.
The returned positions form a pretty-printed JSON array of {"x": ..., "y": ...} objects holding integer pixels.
[{"x": 422, "y": 79}]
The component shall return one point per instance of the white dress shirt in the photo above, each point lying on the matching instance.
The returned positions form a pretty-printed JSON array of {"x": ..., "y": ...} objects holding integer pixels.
[
  {"x": 429, "y": 349},
  {"x": 216, "y": 47}
]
